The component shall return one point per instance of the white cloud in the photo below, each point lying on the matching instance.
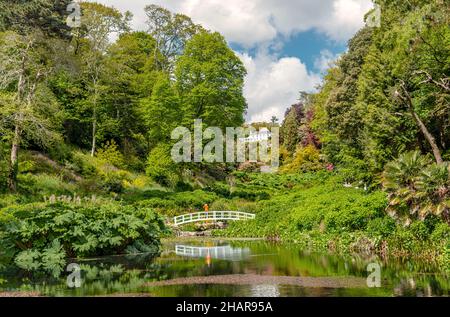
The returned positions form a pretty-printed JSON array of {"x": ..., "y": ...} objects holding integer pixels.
[
  {"x": 347, "y": 18},
  {"x": 274, "y": 84},
  {"x": 252, "y": 22},
  {"x": 325, "y": 60}
]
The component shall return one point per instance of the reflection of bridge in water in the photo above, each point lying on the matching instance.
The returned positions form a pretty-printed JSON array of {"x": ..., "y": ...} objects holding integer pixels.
[{"x": 221, "y": 252}]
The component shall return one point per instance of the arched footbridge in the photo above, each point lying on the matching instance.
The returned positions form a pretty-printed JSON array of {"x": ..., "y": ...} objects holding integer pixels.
[{"x": 211, "y": 216}]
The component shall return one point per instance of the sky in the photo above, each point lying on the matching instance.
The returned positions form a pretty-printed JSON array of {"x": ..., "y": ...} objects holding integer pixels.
[{"x": 286, "y": 45}]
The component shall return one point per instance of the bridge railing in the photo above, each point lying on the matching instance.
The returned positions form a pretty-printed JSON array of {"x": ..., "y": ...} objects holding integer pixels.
[
  {"x": 212, "y": 216},
  {"x": 219, "y": 252}
]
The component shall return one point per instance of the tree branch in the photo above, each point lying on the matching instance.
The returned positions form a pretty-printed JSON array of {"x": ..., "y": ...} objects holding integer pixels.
[{"x": 443, "y": 83}]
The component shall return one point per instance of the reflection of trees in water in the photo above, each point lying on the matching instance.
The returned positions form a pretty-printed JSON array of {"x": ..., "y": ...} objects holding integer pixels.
[
  {"x": 127, "y": 274},
  {"x": 402, "y": 277},
  {"x": 431, "y": 285},
  {"x": 188, "y": 267},
  {"x": 99, "y": 276}
]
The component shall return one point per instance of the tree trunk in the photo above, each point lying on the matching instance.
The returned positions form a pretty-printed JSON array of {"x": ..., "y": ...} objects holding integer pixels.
[
  {"x": 14, "y": 161},
  {"x": 94, "y": 139},
  {"x": 431, "y": 140},
  {"x": 94, "y": 121},
  {"x": 429, "y": 137}
]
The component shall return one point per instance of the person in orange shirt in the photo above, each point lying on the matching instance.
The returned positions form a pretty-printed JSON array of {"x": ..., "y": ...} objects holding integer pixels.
[{"x": 205, "y": 207}]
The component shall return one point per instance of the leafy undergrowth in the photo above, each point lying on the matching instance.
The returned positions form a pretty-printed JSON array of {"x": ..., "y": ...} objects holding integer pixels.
[
  {"x": 319, "y": 213},
  {"x": 43, "y": 236}
]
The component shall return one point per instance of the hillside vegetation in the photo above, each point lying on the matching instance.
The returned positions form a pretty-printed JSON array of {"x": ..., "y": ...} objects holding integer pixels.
[{"x": 85, "y": 137}]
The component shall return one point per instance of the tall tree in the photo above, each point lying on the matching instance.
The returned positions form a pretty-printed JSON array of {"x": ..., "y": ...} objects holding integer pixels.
[
  {"x": 290, "y": 129},
  {"x": 131, "y": 75},
  {"x": 210, "y": 79},
  {"x": 24, "y": 103},
  {"x": 99, "y": 22},
  {"x": 162, "y": 110}
]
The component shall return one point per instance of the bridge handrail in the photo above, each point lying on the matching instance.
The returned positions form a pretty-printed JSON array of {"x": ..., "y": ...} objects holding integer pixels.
[
  {"x": 212, "y": 215},
  {"x": 215, "y": 252}
]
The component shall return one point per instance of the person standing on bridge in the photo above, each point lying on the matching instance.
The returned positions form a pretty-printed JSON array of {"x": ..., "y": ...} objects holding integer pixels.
[{"x": 206, "y": 207}]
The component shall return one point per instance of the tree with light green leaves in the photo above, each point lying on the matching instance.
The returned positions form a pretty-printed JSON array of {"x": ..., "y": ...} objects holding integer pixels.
[
  {"x": 162, "y": 110},
  {"x": 210, "y": 80}
]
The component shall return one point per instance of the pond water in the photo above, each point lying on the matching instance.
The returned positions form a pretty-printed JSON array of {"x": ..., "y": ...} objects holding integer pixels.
[{"x": 215, "y": 267}]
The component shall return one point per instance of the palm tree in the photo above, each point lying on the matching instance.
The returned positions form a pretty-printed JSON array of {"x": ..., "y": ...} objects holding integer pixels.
[
  {"x": 417, "y": 187},
  {"x": 400, "y": 181},
  {"x": 434, "y": 189}
]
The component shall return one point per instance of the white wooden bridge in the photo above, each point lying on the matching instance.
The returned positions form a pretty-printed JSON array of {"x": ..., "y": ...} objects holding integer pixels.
[
  {"x": 219, "y": 252},
  {"x": 212, "y": 216}
]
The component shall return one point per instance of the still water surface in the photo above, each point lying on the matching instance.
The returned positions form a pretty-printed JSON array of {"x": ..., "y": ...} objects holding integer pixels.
[{"x": 214, "y": 267}]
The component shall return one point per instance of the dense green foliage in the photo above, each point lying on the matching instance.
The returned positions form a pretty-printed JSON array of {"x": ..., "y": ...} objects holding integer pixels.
[
  {"x": 317, "y": 212},
  {"x": 85, "y": 136},
  {"x": 368, "y": 110},
  {"x": 44, "y": 235},
  {"x": 417, "y": 188}
]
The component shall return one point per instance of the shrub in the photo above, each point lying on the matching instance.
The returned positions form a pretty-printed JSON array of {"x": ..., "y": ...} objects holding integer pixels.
[
  {"x": 8, "y": 200},
  {"x": 139, "y": 182},
  {"x": 340, "y": 209},
  {"x": 403, "y": 239},
  {"x": 419, "y": 230},
  {"x": 441, "y": 233},
  {"x": 381, "y": 227},
  {"x": 161, "y": 167},
  {"x": 84, "y": 164},
  {"x": 40, "y": 235},
  {"x": 306, "y": 159},
  {"x": 234, "y": 205},
  {"x": 44, "y": 184},
  {"x": 195, "y": 199},
  {"x": 110, "y": 154},
  {"x": 250, "y": 194},
  {"x": 60, "y": 152},
  {"x": 113, "y": 181},
  {"x": 166, "y": 207},
  {"x": 219, "y": 189}
]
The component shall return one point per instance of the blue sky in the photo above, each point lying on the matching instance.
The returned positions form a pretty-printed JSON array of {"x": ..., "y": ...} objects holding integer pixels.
[
  {"x": 308, "y": 46},
  {"x": 286, "y": 45}
]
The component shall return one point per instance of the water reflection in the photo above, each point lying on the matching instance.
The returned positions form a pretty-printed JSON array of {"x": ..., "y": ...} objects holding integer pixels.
[
  {"x": 265, "y": 291},
  {"x": 197, "y": 258},
  {"x": 226, "y": 252}
]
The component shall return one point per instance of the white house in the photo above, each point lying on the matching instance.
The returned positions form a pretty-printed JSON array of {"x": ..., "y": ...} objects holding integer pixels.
[{"x": 263, "y": 135}]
